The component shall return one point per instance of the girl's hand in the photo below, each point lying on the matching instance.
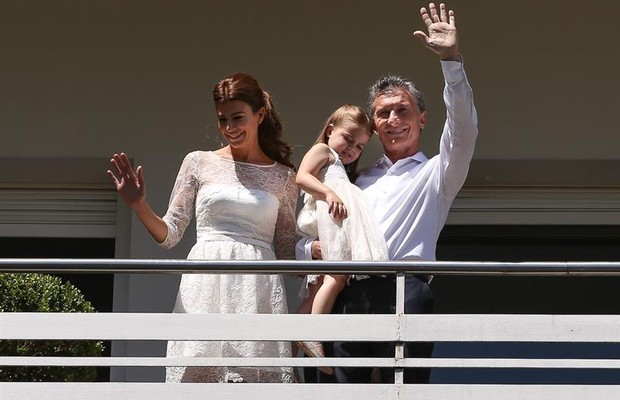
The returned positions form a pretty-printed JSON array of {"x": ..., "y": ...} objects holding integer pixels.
[
  {"x": 336, "y": 206},
  {"x": 129, "y": 183}
]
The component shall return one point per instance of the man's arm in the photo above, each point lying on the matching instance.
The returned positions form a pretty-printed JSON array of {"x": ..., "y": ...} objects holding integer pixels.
[
  {"x": 461, "y": 128},
  {"x": 460, "y": 131}
]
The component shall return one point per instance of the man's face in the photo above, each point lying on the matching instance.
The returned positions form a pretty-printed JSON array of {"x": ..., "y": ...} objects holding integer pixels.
[{"x": 399, "y": 122}]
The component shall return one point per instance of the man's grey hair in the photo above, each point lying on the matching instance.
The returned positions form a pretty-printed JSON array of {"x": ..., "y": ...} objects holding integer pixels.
[{"x": 389, "y": 85}]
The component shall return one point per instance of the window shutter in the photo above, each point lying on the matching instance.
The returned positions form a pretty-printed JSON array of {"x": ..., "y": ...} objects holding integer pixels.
[{"x": 57, "y": 212}]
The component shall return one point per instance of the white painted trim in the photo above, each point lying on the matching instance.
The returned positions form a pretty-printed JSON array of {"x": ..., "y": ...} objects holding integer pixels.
[
  {"x": 535, "y": 206},
  {"x": 156, "y": 326},
  {"x": 376, "y": 327},
  {"x": 269, "y": 391},
  {"x": 510, "y": 392},
  {"x": 511, "y": 328}
]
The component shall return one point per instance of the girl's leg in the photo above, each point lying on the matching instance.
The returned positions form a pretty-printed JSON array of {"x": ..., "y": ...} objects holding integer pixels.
[
  {"x": 318, "y": 295},
  {"x": 306, "y": 308},
  {"x": 326, "y": 294},
  {"x": 306, "y": 305}
]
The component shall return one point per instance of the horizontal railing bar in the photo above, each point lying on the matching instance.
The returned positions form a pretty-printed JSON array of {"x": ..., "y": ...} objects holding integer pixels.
[
  {"x": 270, "y": 391},
  {"x": 303, "y": 267},
  {"x": 195, "y": 362},
  {"x": 194, "y": 391},
  {"x": 180, "y": 326},
  {"x": 312, "y": 362},
  {"x": 512, "y": 363},
  {"x": 288, "y": 327},
  {"x": 511, "y": 328}
]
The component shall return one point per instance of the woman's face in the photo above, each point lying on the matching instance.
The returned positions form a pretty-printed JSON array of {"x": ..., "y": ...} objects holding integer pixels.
[{"x": 238, "y": 123}]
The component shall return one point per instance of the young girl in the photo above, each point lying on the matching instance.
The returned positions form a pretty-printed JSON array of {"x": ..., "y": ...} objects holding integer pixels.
[{"x": 334, "y": 210}]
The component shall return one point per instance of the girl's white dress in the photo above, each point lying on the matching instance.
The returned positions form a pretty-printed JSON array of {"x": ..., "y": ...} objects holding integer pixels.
[
  {"x": 357, "y": 237},
  {"x": 243, "y": 212}
]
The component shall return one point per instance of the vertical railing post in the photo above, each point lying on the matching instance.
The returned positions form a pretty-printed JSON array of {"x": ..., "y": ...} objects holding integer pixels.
[{"x": 400, "y": 311}]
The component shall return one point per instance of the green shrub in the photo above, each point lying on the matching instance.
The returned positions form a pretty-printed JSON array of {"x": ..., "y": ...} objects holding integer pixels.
[{"x": 44, "y": 293}]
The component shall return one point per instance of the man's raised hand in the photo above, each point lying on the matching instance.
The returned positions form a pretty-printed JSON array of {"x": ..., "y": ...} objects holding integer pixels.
[{"x": 442, "y": 38}]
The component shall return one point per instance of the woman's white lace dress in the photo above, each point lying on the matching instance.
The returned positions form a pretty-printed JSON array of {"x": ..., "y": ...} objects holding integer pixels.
[
  {"x": 243, "y": 212},
  {"x": 358, "y": 237}
]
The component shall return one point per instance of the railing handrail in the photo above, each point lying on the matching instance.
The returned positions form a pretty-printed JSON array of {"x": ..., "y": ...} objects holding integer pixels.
[{"x": 176, "y": 266}]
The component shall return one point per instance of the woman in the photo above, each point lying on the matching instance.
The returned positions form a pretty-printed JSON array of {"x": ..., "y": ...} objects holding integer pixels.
[{"x": 244, "y": 198}]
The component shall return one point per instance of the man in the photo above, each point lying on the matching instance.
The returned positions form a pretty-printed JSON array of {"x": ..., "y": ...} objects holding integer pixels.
[{"x": 409, "y": 193}]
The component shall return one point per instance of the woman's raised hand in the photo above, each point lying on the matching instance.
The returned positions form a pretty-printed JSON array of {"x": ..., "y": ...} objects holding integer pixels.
[
  {"x": 130, "y": 186},
  {"x": 129, "y": 182}
]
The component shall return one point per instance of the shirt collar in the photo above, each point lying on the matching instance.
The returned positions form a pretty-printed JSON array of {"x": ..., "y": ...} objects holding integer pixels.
[{"x": 385, "y": 162}]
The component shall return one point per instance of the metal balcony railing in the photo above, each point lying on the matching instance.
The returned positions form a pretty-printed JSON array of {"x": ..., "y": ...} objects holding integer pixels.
[{"x": 398, "y": 327}]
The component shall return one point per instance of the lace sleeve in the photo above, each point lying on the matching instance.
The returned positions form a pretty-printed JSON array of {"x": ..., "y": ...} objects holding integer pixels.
[
  {"x": 182, "y": 201},
  {"x": 284, "y": 237}
]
